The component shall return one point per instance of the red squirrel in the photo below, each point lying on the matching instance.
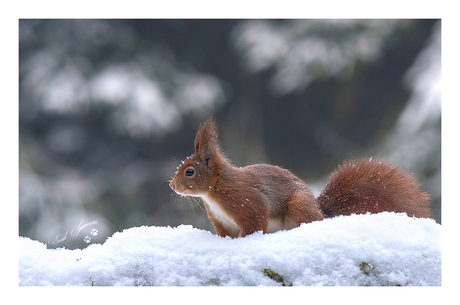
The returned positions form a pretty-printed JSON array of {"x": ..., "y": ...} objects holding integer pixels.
[{"x": 262, "y": 197}]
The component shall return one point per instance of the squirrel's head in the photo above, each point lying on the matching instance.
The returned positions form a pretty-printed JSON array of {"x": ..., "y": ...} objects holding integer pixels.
[{"x": 197, "y": 175}]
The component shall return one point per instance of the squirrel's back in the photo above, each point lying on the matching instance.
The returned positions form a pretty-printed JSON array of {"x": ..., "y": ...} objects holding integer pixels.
[{"x": 361, "y": 186}]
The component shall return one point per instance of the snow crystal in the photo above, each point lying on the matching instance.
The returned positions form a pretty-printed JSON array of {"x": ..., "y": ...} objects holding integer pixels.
[{"x": 379, "y": 249}]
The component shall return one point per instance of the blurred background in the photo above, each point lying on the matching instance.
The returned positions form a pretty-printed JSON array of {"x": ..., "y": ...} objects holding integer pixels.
[{"x": 109, "y": 108}]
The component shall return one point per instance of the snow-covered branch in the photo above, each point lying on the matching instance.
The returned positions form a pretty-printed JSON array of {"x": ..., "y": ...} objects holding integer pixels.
[{"x": 381, "y": 249}]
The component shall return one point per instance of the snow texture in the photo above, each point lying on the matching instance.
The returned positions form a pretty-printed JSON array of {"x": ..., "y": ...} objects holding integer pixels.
[{"x": 358, "y": 250}]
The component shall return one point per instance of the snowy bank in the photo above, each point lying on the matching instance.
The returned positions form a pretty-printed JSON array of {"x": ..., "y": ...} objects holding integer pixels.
[{"x": 381, "y": 249}]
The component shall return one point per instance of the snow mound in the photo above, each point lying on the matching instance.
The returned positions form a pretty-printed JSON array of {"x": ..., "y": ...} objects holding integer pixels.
[{"x": 379, "y": 249}]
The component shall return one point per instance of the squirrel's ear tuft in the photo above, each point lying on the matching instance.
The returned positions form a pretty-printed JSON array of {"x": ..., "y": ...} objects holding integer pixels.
[{"x": 207, "y": 135}]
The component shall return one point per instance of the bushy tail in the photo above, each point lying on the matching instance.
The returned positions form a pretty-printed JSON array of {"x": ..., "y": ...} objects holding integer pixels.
[{"x": 361, "y": 186}]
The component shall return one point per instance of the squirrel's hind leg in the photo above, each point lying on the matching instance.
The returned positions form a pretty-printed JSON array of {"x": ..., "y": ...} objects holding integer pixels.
[{"x": 301, "y": 208}]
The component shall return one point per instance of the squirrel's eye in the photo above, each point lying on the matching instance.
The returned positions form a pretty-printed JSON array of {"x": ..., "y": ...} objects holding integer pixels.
[{"x": 189, "y": 172}]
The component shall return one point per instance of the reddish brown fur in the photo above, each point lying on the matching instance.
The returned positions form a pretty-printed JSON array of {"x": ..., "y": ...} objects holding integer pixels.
[
  {"x": 251, "y": 196},
  {"x": 362, "y": 186},
  {"x": 261, "y": 197}
]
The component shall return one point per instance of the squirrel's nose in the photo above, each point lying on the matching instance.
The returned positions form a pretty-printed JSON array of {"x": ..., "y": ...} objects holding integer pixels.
[{"x": 172, "y": 186}]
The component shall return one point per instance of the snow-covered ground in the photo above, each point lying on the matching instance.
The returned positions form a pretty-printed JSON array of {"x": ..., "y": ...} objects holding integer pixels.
[{"x": 380, "y": 249}]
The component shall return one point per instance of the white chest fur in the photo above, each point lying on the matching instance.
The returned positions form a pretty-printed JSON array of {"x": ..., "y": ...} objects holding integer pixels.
[{"x": 220, "y": 215}]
